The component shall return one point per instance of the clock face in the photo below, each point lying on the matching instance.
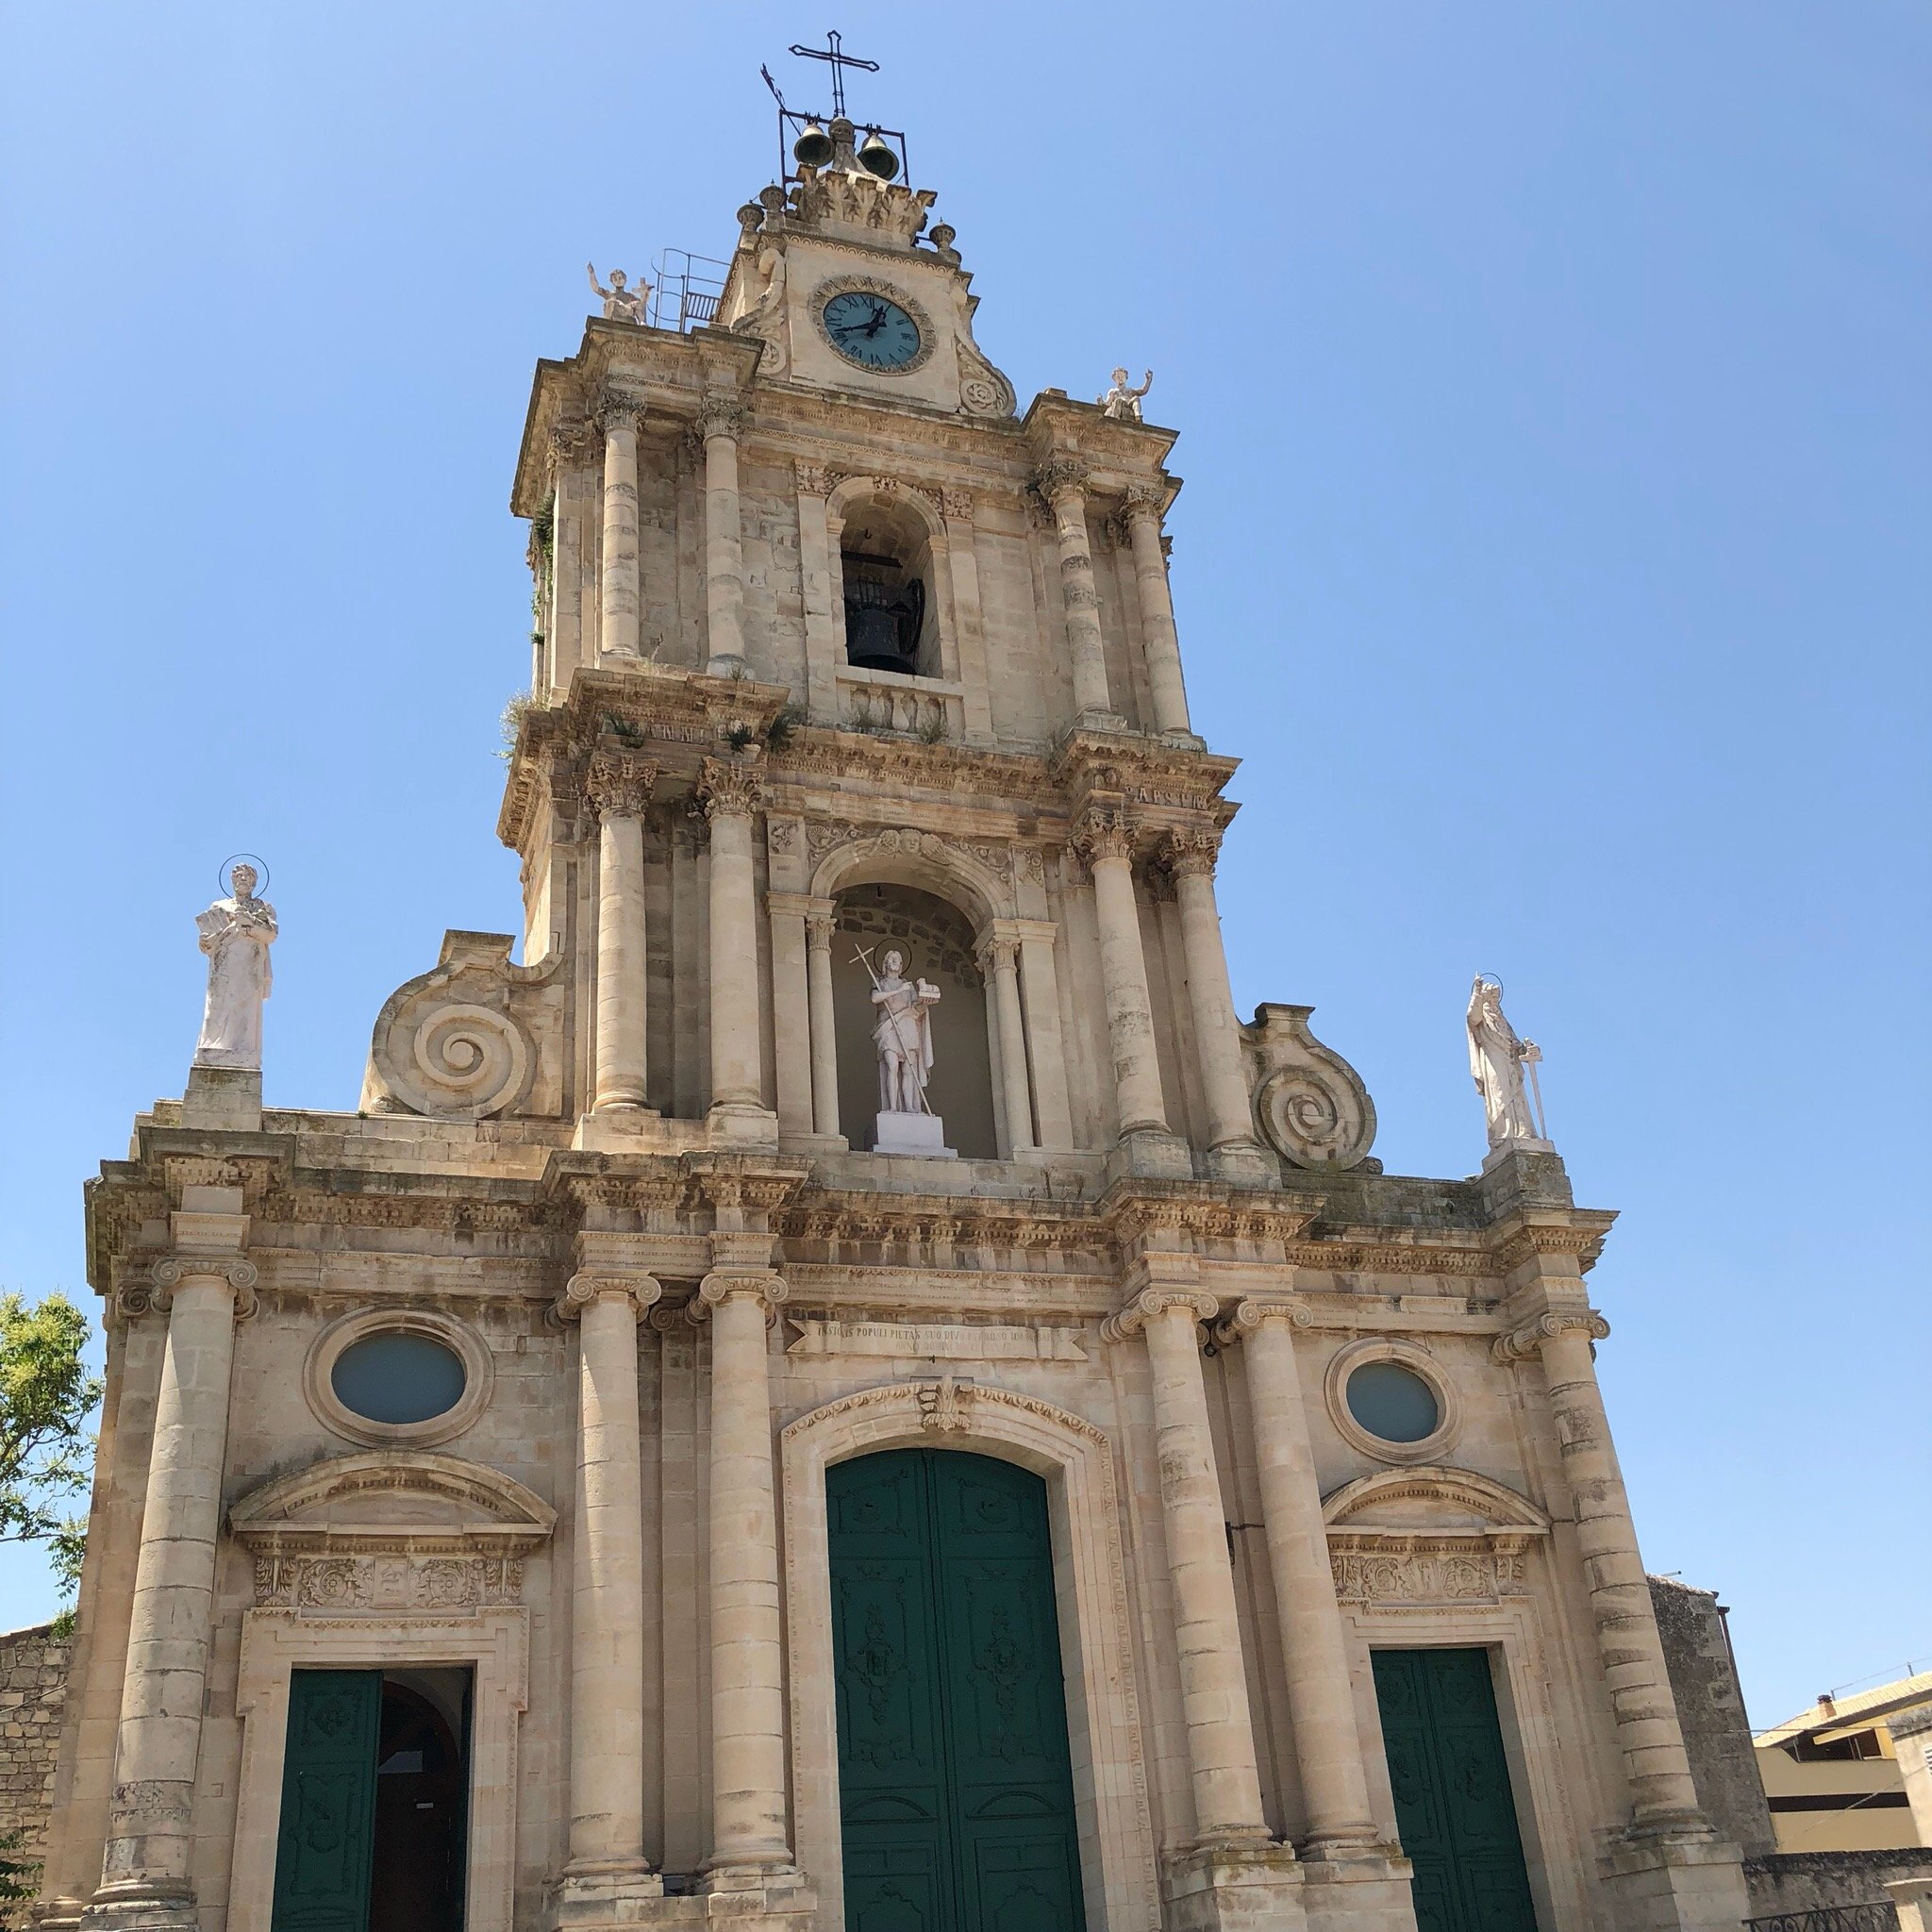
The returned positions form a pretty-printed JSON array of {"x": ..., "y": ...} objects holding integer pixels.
[{"x": 870, "y": 330}]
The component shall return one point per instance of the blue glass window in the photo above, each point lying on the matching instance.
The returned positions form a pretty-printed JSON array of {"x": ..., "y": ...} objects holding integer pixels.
[
  {"x": 1392, "y": 1402},
  {"x": 395, "y": 1376}
]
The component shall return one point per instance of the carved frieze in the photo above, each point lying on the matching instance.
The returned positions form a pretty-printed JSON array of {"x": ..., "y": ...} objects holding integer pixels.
[{"x": 387, "y": 1581}]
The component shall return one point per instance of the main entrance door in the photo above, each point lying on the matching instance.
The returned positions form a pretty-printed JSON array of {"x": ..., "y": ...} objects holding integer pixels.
[
  {"x": 373, "y": 1826},
  {"x": 1453, "y": 1807},
  {"x": 956, "y": 1799}
]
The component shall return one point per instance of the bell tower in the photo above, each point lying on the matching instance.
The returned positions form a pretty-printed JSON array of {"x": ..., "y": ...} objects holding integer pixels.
[{"x": 822, "y": 622}]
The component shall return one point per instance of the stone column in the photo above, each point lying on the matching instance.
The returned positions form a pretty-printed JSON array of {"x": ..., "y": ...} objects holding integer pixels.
[
  {"x": 1039, "y": 995},
  {"x": 622, "y": 589},
  {"x": 825, "y": 1039},
  {"x": 1217, "y": 1032},
  {"x": 818, "y": 580},
  {"x": 969, "y": 615},
  {"x": 1314, "y": 1649},
  {"x": 790, "y": 1010},
  {"x": 730, "y": 793},
  {"x": 619, "y": 789},
  {"x": 607, "y": 1641},
  {"x": 1107, "y": 845},
  {"x": 1206, "y": 1635},
  {"x": 1168, "y": 692},
  {"x": 1063, "y": 484},
  {"x": 721, "y": 422},
  {"x": 1000, "y": 958},
  {"x": 749, "y": 1831},
  {"x": 572, "y": 461},
  {"x": 1631, "y": 1651},
  {"x": 145, "y": 1872}
]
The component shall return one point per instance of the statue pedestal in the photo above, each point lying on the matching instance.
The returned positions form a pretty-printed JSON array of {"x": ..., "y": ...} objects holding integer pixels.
[{"x": 911, "y": 1133}]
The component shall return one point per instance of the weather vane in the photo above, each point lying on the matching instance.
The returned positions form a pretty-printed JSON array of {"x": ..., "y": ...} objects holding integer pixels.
[{"x": 834, "y": 54}]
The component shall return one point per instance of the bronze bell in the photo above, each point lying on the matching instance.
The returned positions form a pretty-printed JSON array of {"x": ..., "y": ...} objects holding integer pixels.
[
  {"x": 875, "y": 158},
  {"x": 813, "y": 147}
]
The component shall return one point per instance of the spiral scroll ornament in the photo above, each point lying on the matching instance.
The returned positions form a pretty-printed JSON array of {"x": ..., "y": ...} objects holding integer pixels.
[
  {"x": 466, "y": 1062},
  {"x": 1311, "y": 1121}
]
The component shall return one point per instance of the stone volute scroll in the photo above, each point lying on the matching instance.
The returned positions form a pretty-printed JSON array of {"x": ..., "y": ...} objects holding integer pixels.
[
  {"x": 1312, "y": 1105},
  {"x": 236, "y": 934},
  {"x": 475, "y": 1038}
]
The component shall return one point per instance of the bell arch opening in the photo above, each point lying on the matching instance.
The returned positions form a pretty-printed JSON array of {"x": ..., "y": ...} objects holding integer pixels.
[
  {"x": 936, "y": 938},
  {"x": 886, "y": 572}
]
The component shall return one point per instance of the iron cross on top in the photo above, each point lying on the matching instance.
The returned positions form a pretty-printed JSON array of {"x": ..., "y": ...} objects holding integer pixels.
[{"x": 838, "y": 59}]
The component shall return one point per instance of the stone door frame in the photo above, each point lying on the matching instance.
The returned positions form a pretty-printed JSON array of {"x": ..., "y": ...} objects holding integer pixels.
[
  {"x": 494, "y": 1642},
  {"x": 1117, "y": 1872},
  {"x": 1519, "y": 1667}
]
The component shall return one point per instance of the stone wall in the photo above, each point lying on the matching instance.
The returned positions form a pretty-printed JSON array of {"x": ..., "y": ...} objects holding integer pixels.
[
  {"x": 33, "y": 1691},
  {"x": 1811, "y": 1881},
  {"x": 1711, "y": 1707}
]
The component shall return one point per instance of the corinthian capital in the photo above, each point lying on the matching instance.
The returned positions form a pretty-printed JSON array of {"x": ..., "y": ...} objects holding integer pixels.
[
  {"x": 1059, "y": 477},
  {"x": 1521, "y": 1344},
  {"x": 1103, "y": 831},
  {"x": 721, "y": 416},
  {"x": 617, "y": 409},
  {"x": 618, "y": 785},
  {"x": 1134, "y": 1314},
  {"x": 729, "y": 790},
  {"x": 1144, "y": 500},
  {"x": 1192, "y": 854}
]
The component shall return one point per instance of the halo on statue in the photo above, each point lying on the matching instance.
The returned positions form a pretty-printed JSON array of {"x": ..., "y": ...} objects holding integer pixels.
[
  {"x": 235, "y": 858},
  {"x": 1490, "y": 979}
]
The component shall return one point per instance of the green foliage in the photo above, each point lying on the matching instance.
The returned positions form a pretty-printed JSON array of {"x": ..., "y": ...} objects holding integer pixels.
[
  {"x": 46, "y": 1451},
  {"x": 740, "y": 737},
  {"x": 512, "y": 722},
  {"x": 784, "y": 725},
  {"x": 20, "y": 1879}
]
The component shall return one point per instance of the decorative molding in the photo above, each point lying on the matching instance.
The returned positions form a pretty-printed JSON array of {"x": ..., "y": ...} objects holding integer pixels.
[
  {"x": 1519, "y": 1344},
  {"x": 1430, "y": 1536},
  {"x": 945, "y": 1405},
  {"x": 814, "y": 479},
  {"x": 956, "y": 504}
]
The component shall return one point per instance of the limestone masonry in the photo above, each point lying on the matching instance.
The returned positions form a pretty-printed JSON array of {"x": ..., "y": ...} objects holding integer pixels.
[{"x": 591, "y": 1487}]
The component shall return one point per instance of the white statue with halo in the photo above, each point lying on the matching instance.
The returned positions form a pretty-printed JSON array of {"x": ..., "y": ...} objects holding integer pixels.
[
  {"x": 236, "y": 934},
  {"x": 1498, "y": 1060}
]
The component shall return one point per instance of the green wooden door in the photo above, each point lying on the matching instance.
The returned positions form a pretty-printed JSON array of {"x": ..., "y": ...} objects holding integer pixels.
[
  {"x": 956, "y": 1798},
  {"x": 328, "y": 1802},
  {"x": 1453, "y": 1807}
]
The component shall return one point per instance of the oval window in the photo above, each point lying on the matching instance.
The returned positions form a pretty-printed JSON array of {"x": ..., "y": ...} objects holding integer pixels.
[
  {"x": 393, "y": 1377},
  {"x": 1393, "y": 1403}
]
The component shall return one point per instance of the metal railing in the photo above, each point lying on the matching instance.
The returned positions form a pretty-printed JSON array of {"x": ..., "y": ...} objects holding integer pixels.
[
  {"x": 685, "y": 291},
  {"x": 1881, "y": 1916}
]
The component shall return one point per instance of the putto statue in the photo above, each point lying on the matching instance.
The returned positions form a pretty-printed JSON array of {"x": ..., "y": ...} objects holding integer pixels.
[
  {"x": 236, "y": 934},
  {"x": 621, "y": 303},
  {"x": 1498, "y": 1059},
  {"x": 1121, "y": 403}
]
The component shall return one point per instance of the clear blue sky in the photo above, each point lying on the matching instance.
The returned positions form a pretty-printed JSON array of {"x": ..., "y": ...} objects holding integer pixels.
[{"x": 1552, "y": 383}]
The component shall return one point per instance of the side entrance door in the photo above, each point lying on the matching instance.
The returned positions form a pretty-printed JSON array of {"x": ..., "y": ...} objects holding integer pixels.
[
  {"x": 328, "y": 1802},
  {"x": 955, "y": 1796},
  {"x": 1453, "y": 1807}
]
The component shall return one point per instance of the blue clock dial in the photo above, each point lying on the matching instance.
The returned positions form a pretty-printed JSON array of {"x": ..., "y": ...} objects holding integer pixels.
[{"x": 870, "y": 330}]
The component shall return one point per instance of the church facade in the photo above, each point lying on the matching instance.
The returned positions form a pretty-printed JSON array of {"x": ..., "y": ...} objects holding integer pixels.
[{"x": 836, "y": 1384}]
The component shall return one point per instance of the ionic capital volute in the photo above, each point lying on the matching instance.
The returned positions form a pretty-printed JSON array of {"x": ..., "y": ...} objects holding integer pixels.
[
  {"x": 237, "y": 1273},
  {"x": 1519, "y": 1344},
  {"x": 1252, "y": 1310},
  {"x": 762, "y": 1285},
  {"x": 1134, "y": 1313},
  {"x": 588, "y": 1284}
]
